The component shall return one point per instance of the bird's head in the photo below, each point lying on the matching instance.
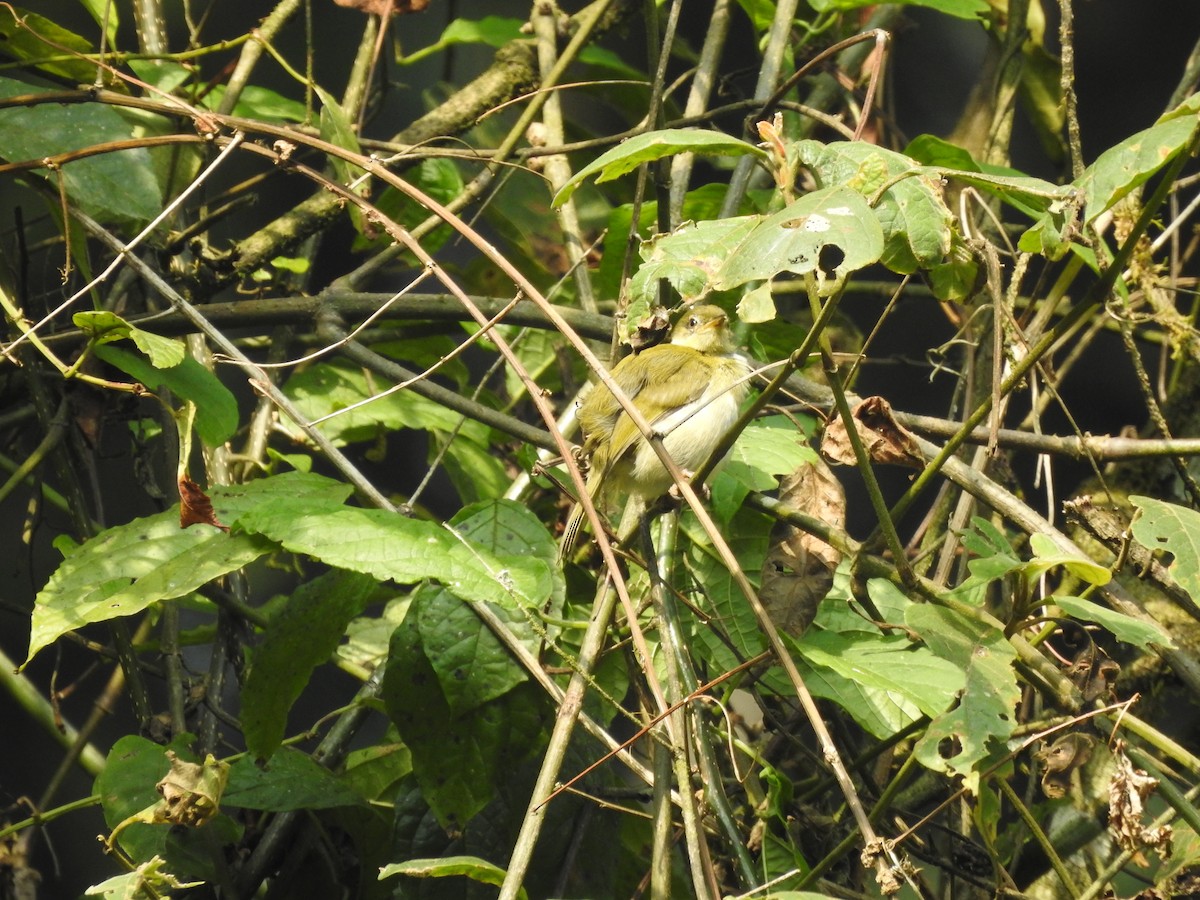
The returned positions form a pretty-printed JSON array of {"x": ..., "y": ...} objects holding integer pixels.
[{"x": 704, "y": 328}]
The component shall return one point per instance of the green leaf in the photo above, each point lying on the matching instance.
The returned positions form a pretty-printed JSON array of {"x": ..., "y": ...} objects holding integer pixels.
[
  {"x": 1145, "y": 635},
  {"x": 104, "y": 13},
  {"x": 1122, "y": 169},
  {"x": 916, "y": 222},
  {"x": 290, "y": 780},
  {"x": 118, "y": 186},
  {"x": 1047, "y": 556},
  {"x": 124, "y": 569},
  {"x": 892, "y": 682},
  {"x": 1175, "y": 529},
  {"x": 458, "y": 760},
  {"x": 471, "y": 664},
  {"x": 263, "y": 104},
  {"x": 441, "y": 180},
  {"x": 389, "y": 546},
  {"x": 495, "y": 31},
  {"x": 32, "y": 40},
  {"x": 337, "y": 129},
  {"x": 628, "y": 155},
  {"x": 301, "y": 635},
  {"x": 324, "y": 388},
  {"x": 448, "y": 866},
  {"x": 216, "y": 407},
  {"x": 960, "y": 740},
  {"x": 104, "y": 327},
  {"x": 150, "y": 879},
  {"x": 798, "y": 239},
  {"x": 831, "y": 232},
  {"x": 962, "y": 9}
]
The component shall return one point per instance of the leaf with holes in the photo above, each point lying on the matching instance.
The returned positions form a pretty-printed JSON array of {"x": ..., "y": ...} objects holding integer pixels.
[{"x": 1176, "y": 529}]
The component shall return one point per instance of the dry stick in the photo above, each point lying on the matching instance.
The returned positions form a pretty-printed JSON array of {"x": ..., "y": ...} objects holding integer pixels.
[
  {"x": 703, "y": 81},
  {"x": 557, "y": 167},
  {"x": 768, "y": 76}
]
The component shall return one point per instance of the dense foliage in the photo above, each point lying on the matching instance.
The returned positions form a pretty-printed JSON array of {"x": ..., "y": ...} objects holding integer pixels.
[{"x": 288, "y": 389}]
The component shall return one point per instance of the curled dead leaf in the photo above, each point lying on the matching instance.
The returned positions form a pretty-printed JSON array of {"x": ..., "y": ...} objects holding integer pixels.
[
  {"x": 798, "y": 570},
  {"x": 1127, "y": 793},
  {"x": 1066, "y": 755},
  {"x": 195, "y": 507},
  {"x": 885, "y": 440}
]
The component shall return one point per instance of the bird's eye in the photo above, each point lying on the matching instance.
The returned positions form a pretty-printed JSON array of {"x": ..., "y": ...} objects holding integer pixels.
[{"x": 693, "y": 322}]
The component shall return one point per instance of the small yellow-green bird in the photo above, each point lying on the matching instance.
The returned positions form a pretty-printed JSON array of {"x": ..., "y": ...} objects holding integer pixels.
[{"x": 688, "y": 389}]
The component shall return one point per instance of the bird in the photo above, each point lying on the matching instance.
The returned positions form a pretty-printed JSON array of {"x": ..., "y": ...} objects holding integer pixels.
[{"x": 688, "y": 389}]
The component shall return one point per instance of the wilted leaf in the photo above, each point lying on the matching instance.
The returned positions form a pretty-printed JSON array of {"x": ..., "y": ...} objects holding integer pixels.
[
  {"x": 884, "y": 439},
  {"x": 798, "y": 570},
  {"x": 195, "y": 507},
  {"x": 448, "y": 866},
  {"x": 1127, "y": 794},
  {"x": 1066, "y": 755}
]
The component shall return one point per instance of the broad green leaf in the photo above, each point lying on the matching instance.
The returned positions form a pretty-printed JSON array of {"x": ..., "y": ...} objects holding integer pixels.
[
  {"x": 123, "y": 570},
  {"x": 448, "y": 866},
  {"x": 113, "y": 186},
  {"x": 958, "y": 741},
  {"x": 104, "y": 327},
  {"x": 302, "y": 634},
  {"x": 897, "y": 681},
  {"x": 324, "y": 388},
  {"x": 31, "y": 41},
  {"x": 471, "y": 664},
  {"x": 962, "y": 9},
  {"x": 830, "y": 233},
  {"x": 390, "y": 546},
  {"x": 1047, "y": 556},
  {"x": 1052, "y": 207},
  {"x": 216, "y": 407},
  {"x": 1175, "y": 529},
  {"x": 371, "y": 771},
  {"x": 509, "y": 528},
  {"x": 628, "y": 155},
  {"x": 289, "y": 780},
  {"x": 765, "y": 448},
  {"x": 1122, "y": 169},
  {"x": 690, "y": 257},
  {"x": 1123, "y": 628},
  {"x": 263, "y": 104},
  {"x": 730, "y": 632},
  {"x": 916, "y": 222},
  {"x": 458, "y": 760}
]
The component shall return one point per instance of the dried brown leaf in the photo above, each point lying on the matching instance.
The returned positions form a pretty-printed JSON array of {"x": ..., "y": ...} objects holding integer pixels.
[
  {"x": 1127, "y": 793},
  {"x": 195, "y": 507},
  {"x": 1066, "y": 755},
  {"x": 798, "y": 570},
  {"x": 883, "y": 437}
]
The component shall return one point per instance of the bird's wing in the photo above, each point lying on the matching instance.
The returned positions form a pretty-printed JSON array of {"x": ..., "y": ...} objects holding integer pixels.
[{"x": 682, "y": 388}]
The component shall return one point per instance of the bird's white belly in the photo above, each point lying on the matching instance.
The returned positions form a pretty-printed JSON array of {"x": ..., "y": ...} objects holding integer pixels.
[{"x": 689, "y": 434}]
